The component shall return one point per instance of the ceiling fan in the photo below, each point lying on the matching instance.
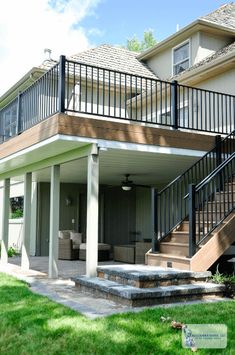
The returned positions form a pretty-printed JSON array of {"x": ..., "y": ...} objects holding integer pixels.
[{"x": 128, "y": 184}]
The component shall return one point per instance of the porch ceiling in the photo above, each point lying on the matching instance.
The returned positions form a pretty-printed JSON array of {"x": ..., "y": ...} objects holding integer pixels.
[
  {"x": 147, "y": 164},
  {"x": 144, "y": 167}
]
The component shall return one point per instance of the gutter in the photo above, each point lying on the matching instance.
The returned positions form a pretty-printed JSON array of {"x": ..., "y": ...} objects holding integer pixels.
[
  {"x": 28, "y": 79},
  {"x": 191, "y": 28},
  {"x": 216, "y": 63}
]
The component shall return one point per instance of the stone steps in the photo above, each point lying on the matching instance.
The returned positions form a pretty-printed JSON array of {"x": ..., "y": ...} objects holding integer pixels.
[
  {"x": 137, "y": 297},
  {"x": 142, "y": 285},
  {"x": 143, "y": 276}
]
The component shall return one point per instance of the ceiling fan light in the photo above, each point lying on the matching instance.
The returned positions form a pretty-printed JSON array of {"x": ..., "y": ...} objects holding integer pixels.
[{"x": 126, "y": 187}]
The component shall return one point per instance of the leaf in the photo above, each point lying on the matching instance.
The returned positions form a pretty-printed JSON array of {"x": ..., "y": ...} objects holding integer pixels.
[{"x": 177, "y": 325}]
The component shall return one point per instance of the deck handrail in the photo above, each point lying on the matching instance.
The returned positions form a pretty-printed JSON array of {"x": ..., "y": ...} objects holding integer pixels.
[
  {"x": 210, "y": 203},
  {"x": 171, "y": 202},
  {"x": 75, "y": 87}
]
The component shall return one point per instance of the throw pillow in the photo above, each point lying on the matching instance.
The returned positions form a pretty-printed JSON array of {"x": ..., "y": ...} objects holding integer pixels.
[
  {"x": 76, "y": 237},
  {"x": 64, "y": 234}
]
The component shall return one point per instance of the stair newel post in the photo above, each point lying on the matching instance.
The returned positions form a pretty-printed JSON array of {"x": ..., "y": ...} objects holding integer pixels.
[
  {"x": 154, "y": 220},
  {"x": 61, "y": 86},
  {"x": 192, "y": 220},
  {"x": 174, "y": 103}
]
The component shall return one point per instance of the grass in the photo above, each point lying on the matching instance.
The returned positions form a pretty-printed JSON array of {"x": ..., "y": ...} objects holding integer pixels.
[{"x": 31, "y": 324}]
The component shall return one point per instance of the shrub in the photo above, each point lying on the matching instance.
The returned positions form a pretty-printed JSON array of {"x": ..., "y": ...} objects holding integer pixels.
[
  {"x": 228, "y": 280},
  {"x": 11, "y": 251}
]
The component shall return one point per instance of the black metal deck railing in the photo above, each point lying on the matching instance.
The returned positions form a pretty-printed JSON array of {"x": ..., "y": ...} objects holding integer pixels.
[
  {"x": 33, "y": 105},
  {"x": 210, "y": 202},
  {"x": 171, "y": 202},
  {"x": 73, "y": 87}
]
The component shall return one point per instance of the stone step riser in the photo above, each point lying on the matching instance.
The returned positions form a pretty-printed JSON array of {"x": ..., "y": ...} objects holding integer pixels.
[
  {"x": 149, "y": 283},
  {"x": 151, "y": 301},
  {"x": 145, "y": 297}
]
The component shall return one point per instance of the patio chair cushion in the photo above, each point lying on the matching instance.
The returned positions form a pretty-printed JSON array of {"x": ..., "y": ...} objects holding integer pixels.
[
  {"x": 101, "y": 246},
  {"x": 76, "y": 238},
  {"x": 65, "y": 234},
  {"x": 76, "y": 246}
]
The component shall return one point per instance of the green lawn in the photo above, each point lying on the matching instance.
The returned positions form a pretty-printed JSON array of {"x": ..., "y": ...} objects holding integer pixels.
[{"x": 31, "y": 324}]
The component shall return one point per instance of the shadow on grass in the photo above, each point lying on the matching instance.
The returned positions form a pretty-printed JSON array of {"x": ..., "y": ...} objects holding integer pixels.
[{"x": 31, "y": 324}]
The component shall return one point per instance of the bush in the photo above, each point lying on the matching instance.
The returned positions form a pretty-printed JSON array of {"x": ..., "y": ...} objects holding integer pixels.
[
  {"x": 11, "y": 251},
  {"x": 228, "y": 280}
]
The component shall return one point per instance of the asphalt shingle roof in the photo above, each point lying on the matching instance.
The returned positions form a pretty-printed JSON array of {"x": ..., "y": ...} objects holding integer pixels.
[
  {"x": 123, "y": 60},
  {"x": 114, "y": 58},
  {"x": 224, "y": 16}
]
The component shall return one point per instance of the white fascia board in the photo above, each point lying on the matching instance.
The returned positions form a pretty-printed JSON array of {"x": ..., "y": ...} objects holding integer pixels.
[
  {"x": 195, "y": 26},
  {"x": 106, "y": 144}
]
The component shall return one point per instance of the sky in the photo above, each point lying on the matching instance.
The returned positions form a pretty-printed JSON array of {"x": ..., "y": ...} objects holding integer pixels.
[{"x": 67, "y": 27}]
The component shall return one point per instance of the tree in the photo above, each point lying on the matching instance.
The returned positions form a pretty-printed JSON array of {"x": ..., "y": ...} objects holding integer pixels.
[{"x": 134, "y": 44}]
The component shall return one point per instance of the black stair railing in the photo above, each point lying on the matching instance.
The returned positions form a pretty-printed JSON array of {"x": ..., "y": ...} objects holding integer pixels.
[
  {"x": 171, "y": 207},
  {"x": 210, "y": 202}
]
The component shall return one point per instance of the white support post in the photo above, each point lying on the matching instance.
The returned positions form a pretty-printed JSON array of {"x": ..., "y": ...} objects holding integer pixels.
[
  {"x": 27, "y": 221},
  {"x": 33, "y": 231},
  {"x": 92, "y": 215},
  {"x": 54, "y": 221},
  {"x": 5, "y": 221}
]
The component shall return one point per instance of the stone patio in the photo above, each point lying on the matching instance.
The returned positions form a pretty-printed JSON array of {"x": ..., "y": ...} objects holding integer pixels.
[{"x": 63, "y": 290}]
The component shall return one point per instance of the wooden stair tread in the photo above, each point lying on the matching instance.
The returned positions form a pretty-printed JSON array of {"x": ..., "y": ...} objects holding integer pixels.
[
  {"x": 174, "y": 244},
  {"x": 179, "y": 232},
  {"x": 176, "y": 257}
]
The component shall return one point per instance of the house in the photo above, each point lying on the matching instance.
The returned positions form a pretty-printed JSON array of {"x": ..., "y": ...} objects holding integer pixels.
[{"x": 74, "y": 131}]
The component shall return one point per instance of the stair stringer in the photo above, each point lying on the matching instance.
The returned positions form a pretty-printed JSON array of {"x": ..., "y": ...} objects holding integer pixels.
[{"x": 218, "y": 243}]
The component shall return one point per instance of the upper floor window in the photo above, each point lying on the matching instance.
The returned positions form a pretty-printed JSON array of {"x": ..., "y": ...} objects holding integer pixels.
[{"x": 181, "y": 58}]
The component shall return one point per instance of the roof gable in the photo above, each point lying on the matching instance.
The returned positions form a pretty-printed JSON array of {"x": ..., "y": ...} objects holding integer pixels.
[
  {"x": 219, "y": 22},
  {"x": 114, "y": 58}
]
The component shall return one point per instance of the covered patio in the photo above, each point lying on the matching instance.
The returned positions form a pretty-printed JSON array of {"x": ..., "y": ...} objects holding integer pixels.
[
  {"x": 67, "y": 269},
  {"x": 98, "y": 165}
]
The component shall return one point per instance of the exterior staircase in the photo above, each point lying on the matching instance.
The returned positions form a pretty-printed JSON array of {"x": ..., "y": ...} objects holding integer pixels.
[
  {"x": 200, "y": 224},
  {"x": 140, "y": 285},
  {"x": 174, "y": 251}
]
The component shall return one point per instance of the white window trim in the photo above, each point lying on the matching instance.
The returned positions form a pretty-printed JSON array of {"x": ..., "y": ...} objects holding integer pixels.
[{"x": 172, "y": 54}]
